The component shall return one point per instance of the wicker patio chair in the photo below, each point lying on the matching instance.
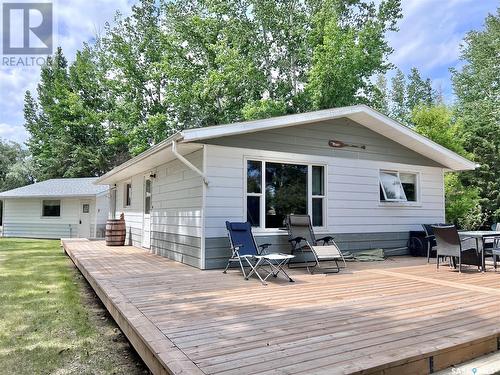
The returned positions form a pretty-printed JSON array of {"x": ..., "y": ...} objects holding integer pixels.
[{"x": 449, "y": 244}]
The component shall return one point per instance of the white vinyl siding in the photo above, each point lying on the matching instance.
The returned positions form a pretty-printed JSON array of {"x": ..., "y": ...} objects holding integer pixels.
[
  {"x": 23, "y": 218},
  {"x": 353, "y": 196},
  {"x": 132, "y": 213},
  {"x": 176, "y": 210}
]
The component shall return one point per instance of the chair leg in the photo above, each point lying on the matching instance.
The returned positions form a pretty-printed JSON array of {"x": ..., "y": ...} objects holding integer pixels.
[
  {"x": 437, "y": 261},
  {"x": 428, "y": 251},
  {"x": 225, "y": 269},
  {"x": 495, "y": 261}
]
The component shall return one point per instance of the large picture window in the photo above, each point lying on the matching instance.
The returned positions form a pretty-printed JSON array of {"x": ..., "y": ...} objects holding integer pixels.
[
  {"x": 398, "y": 186},
  {"x": 51, "y": 208},
  {"x": 275, "y": 190}
]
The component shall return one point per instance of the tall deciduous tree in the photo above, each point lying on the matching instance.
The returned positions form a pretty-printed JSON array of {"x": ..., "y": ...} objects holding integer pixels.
[
  {"x": 419, "y": 91},
  {"x": 439, "y": 123},
  {"x": 348, "y": 48},
  {"x": 15, "y": 166},
  {"x": 178, "y": 64},
  {"x": 477, "y": 86},
  {"x": 66, "y": 122},
  {"x": 381, "y": 95},
  {"x": 398, "y": 107}
]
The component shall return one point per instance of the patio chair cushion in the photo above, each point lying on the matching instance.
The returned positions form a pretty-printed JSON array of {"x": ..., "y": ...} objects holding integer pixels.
[
  {"x": 241, "y": 235},
  {"x": 299, "y": 220},
  {"x": 239, "y": 226},
  {"x": 276, "y": 256},
  {"x": 327, "y": 252}
]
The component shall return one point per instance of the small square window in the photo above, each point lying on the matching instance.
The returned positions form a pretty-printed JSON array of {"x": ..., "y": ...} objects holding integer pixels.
[
  {"x": 51, "y": 208},
  {"x": 86, "y": 208},
  {"x": 398, "y": 187}
]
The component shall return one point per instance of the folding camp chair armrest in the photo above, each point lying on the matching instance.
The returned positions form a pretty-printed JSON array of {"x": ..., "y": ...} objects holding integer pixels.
[
  {"x": 263, "y": 247},
  {"x": 466, "y": 238},
  {"x": 237, "y": 247},
  {"x": 326, "y": 239},
  {"x": 297, "y": 240}
]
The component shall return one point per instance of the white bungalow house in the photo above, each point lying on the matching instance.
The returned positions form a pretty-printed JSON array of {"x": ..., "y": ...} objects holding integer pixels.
[
  {"x": 363, "y": 177},
  {"x": 57, "y": 208}
]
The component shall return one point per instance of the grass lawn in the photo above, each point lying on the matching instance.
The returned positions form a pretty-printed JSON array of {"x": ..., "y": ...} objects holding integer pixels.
[{"x": 51, "y": 322}]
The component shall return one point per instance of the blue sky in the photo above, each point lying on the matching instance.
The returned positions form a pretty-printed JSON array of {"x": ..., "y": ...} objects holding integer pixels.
[{"x": 429, "y": 38}]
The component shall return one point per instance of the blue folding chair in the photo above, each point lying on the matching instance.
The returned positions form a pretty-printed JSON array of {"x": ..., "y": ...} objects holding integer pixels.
[{"x": 246, "y": 252}]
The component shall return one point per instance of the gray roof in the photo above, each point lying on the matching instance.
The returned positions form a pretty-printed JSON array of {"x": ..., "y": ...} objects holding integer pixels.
[{"x": 58, "y": 187}]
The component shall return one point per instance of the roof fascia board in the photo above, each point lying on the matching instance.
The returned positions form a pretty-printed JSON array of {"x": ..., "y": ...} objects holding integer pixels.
[
  {"x": 192, "y": 135},
  {"x": 416, "y": 136},
  {"x": 49, "y": 196},
  {"x": 151, "y": 151},
  {"x": 352, "y": 112}
]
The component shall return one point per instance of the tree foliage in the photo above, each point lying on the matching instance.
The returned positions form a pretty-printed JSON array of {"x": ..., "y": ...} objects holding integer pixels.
[
  {"x": 407, "y": 93},
  {"x": 477, "y": 86},
  {"x": 178, "y": 64},
  {"x": 15, "y": 166},
  {"x": 68, "y": 135},
  {"x": 463, "y": 204}
]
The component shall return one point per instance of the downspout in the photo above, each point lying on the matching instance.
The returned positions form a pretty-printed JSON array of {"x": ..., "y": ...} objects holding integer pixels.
[{"x": 187, "y": 163}]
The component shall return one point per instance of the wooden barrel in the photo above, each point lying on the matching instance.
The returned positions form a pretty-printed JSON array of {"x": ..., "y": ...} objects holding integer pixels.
[{"x": 115, "y": 232}]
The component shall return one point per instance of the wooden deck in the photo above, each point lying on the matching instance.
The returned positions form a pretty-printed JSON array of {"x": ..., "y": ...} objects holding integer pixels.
[{"x": 392, "y": 317}]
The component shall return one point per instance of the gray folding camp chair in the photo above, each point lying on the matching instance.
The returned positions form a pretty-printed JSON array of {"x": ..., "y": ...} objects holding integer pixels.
[
  {"x": 303, "y": 241},
  {"x": 246, "y": 252}
]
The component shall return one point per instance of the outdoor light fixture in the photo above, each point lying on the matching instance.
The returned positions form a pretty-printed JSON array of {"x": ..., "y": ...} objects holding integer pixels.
[
  {"x": 339, "y": 144},
  {"x": 152, "y": 175}
]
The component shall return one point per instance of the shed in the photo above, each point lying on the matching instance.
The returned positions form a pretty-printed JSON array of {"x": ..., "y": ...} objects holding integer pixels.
[
  {"x": 363, "y": 177},
  {"x": 56, "y": 208}
]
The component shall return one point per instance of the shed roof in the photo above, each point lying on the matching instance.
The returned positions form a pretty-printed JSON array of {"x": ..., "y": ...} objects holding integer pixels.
[{"x": 58, "y": 187}]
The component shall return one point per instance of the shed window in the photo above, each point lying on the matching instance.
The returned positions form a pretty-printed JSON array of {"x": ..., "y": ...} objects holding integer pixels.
[
  {"x": 128, "y": 194},
  {"x": 398, "y": 186},
  {"x": 51, "y": 208},
  {"x": 275, "y": 190}
]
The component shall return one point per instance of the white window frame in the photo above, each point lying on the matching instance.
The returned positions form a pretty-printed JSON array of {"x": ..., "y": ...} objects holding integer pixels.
[
  {"x": 400, "y": 201},
  {"x": 51, "y": 217},
  {"x": 262, "y": 195}
]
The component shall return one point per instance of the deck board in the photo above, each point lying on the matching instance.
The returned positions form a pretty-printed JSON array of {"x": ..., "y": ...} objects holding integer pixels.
[{"x": 386, "y": 317}]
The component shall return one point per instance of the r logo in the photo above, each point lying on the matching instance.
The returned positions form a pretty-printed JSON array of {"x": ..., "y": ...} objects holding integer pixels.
[{"x": 27, "y": 28}]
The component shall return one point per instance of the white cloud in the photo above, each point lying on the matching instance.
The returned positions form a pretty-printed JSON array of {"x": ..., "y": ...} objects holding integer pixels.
[
  {"x": 14, "y": 133},
  {"x": 77, "y": 21},
  {"x": 430, "y": 34}
]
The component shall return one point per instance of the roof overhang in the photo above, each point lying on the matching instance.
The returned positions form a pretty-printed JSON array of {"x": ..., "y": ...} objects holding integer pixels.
[
  {"x": 45, "y": 196},
  {"x": 361, "y": 114},
  {"x": 189, "y": 140},
  {"x": 149, "y": 160}
]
